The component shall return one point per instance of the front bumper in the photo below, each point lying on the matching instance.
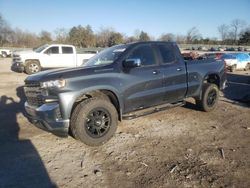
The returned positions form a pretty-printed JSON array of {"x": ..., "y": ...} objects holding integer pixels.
[
  {"x": 17, "y": 67},
  {"x": 48, "y": 118}
]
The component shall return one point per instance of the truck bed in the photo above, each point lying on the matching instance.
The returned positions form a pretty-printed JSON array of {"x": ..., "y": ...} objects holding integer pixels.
[{"x": 197, "y": 70}]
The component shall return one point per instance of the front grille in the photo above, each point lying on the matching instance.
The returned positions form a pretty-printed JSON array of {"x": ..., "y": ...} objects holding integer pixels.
[
  {"x": 33, "y": 92},
  {"x": 32, "y": 83},
  {"x": 16, "y": 57}
]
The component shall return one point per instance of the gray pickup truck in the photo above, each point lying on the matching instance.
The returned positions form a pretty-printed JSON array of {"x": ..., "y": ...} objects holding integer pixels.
[{"x": 121, "y": 82}]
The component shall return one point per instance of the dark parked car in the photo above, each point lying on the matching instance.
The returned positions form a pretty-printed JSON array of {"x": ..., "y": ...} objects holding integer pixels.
[
  {"x": 123, "y": 81},
  {"x": 230, "y": 49},
  {"x": 212, "y": 49},
  {"x": 240, "y": 49}
]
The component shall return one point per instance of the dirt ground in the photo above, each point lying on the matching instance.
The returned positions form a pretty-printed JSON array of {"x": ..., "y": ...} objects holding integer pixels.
[{"x": 180, "y": 147}]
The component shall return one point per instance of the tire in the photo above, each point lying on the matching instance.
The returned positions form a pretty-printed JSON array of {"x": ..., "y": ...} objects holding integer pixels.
[
  {"x": 32, "y": 67},
  {"x": 247, "y": 67},
  {"x": 233, "y": 68},
  {"x": 210, "y": 97},
  {"x": 4, "y": 54},
  {"x": 94, "y": 121}
]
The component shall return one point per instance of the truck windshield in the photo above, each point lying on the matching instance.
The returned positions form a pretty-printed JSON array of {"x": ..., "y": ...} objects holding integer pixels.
[
  {"x": 106, "y": 56},
  {"x": 41, "y": 48}
]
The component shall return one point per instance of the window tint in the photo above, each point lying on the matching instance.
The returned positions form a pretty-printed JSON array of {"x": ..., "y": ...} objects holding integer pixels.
[
  {"x": 53, "y": 50},
  {"x": 145, "y": 54},
  {"x": 167, "y": 53},
  {"x": 67, "y": 50}
]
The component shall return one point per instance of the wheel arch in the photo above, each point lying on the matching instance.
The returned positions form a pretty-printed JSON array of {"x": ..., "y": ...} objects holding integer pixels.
[
  {"x": 28, "y": 60},
  {"x": 212, "y": 78},
  {"x": 99, "y": 93}
]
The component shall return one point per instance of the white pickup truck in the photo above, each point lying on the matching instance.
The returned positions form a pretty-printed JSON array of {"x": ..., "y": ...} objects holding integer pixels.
[
  {"x": 48, "y": 56},
  {"x": 5, "y": 53}
]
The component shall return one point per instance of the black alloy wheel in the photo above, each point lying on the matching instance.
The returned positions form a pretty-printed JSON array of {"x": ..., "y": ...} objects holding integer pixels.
[{"x": 98, "y": 122}]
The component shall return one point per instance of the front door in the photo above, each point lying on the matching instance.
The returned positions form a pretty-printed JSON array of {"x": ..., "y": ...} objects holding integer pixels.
[
  {"x": 144, "y": 86},
  {"x": 50, "y": 58},
  {"x": 68, "y": 58}
]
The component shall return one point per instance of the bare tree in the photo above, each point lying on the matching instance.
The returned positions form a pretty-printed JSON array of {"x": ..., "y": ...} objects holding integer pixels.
[
  {"x": 193, "y": 34},
  {"x": 25, "y": 39},
  {"x": 224, "y": 31},
  {"x": 137, "y": 33},
  {"x": 169, "y": 37},
  {"x": 45, "y": 37},
  {"x": 130, "y": 39},
  {"x": 144, "y": 36},
  {"x": 180, "y": 39},
  {"x": 5, "y": 31},
  {"x": 103, "y": 36},
  {"x": 61, "y": 35},
  {"x": 236, "y": 25}
]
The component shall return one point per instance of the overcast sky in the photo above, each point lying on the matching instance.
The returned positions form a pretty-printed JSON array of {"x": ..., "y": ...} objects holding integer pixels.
[{"x": 152, "y": 16}]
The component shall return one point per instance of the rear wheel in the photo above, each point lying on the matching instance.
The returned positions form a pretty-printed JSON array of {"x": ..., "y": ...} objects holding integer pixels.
[
  {"x": 233, "y": 68},
  {"x": 210, "y": 97},
  {"x": 247, "y": 67},
  {"x": 32, "y": 67},
  {"x": 94, "y": 121},
  {"x": 4, "y": 54}
]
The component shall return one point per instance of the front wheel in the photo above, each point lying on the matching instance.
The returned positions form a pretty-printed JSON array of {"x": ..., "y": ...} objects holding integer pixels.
[
  {"x": 94, "y": 121},
  {"x": 32, "y": 67},
  {"x": 210, "y": 97}
]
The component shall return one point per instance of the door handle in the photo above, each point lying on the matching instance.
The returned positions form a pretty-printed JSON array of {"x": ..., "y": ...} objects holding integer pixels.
[{"x": 179, "y": 69}]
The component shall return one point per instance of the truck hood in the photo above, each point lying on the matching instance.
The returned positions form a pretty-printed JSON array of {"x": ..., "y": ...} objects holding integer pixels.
[
  {"x": 67, "y": 73},
  {"x": 24, "y": 52}
]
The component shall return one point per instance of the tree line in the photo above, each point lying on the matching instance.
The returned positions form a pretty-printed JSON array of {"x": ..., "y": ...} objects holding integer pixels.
[{"x": 235, "y": 33}]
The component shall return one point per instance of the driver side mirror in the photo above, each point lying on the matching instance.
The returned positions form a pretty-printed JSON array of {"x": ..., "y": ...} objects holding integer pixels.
[{"x": 132, "y": 63}]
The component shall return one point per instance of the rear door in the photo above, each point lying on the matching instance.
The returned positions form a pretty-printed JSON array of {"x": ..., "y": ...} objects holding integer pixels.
[
  {"x": 174, "y": 70},
  {"x": 68, "y": 57},
  {"x": 144, "y": 86}
]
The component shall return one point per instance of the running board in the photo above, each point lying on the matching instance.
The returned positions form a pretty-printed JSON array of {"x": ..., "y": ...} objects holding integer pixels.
[{"x": 151, "y": 110}]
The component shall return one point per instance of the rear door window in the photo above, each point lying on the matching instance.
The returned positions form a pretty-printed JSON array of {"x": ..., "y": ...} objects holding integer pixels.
[
  {"x": 67, "y": 50},
  {"x": 167, "y": 53}
]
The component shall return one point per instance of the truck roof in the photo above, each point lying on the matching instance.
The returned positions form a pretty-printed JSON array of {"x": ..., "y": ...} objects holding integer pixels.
[
  {"x": 60, "y": 45},
  {"x": 153, "y": 42}
]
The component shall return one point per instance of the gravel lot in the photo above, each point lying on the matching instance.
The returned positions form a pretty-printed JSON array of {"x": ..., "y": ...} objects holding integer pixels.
[{"x": 180, "y": 147}]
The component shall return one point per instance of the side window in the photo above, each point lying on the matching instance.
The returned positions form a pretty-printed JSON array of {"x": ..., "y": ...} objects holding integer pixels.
[
  {"x": 167, "y": 53},
  {"x": 53, "y": 50},
  {"x": 145, "y": 54},
  {"x": 67, "y": 50}
]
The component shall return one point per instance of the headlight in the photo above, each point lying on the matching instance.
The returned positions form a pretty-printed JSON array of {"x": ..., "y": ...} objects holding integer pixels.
[{"x": 54, "y": 84}]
